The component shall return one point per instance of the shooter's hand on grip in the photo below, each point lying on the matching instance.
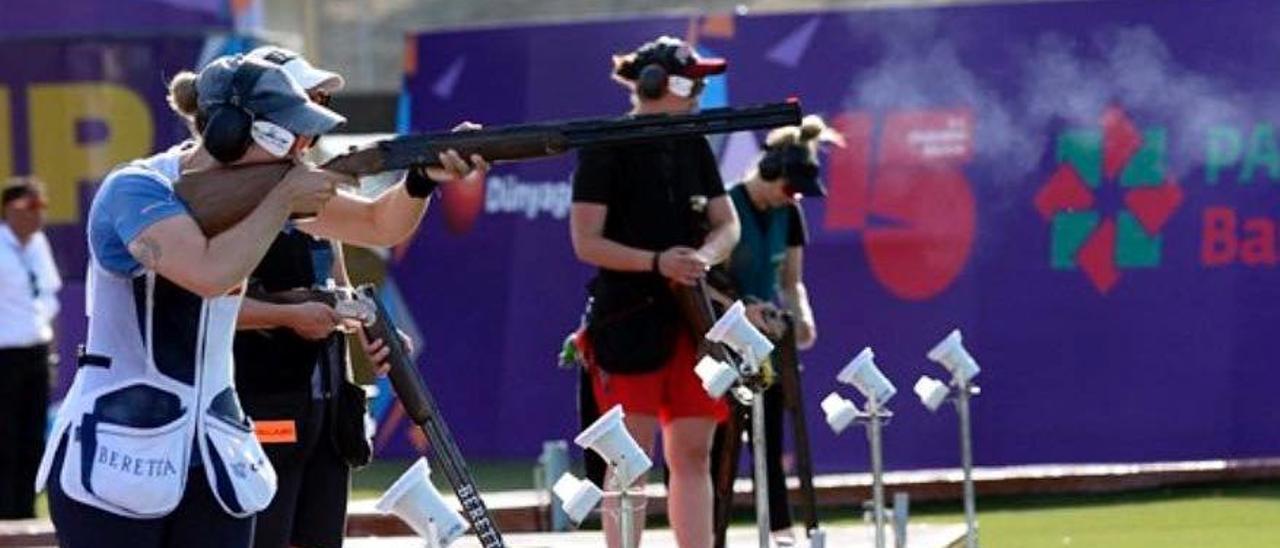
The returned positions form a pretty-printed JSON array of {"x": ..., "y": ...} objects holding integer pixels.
[
  {"x": 682, "y": 264},
  {"x": 309, "y": 188},
  {"x": 312, "y": 320}
]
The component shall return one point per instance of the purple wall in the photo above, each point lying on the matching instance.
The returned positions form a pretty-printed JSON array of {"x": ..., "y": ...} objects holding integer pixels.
[
  {"x": 61, "y": 18},
  {"x": 72, "y": 109},
  {"x": 1058, "y": 180}
]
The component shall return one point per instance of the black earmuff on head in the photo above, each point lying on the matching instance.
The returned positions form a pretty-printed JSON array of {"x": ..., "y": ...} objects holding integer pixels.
[
  {"x": 787, "y": 161},
  {"x": 651, "y": 83},
  {"x": 228, "y": 125},
  {"x": 771, "y": 165}
]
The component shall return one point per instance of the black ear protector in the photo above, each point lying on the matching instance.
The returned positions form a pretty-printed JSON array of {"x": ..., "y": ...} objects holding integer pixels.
[
  {"x": 651, "y": 83},
  {"x": 228, "y": 125},
  {"x": 787, "y": 161}
]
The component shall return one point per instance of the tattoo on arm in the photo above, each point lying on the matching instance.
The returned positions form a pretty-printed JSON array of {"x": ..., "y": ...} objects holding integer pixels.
[{"x": 147, "y": 251}]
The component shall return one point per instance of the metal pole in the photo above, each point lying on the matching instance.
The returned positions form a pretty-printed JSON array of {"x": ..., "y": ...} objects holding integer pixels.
[
  {"x": 625, "y": 519},
  {"x": 761, "y": 479},
  {"x": 877, "y": 470},
  {"x": 901, "y": 513},
  {"x": 966, "y": 463},
  {"x": 626, "y": 512},
  {"x": 553, "y": 463}
]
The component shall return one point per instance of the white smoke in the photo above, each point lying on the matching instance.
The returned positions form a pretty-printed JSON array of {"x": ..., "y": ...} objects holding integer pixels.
[
  {"x": 1131, "y": 67},
  {"x": 1060, "y": 81},
  {"x": 921, "y": 68}
]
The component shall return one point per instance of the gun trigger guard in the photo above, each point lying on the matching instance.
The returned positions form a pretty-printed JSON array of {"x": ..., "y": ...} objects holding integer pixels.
[{"x": 356, "y": 309}]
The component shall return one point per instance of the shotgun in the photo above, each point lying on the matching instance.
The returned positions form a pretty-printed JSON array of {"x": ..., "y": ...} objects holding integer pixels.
[
  {"x": 219, "y": 198},
  {"x": 363, "y": 305},
  {"x": 420, "y": 405}
]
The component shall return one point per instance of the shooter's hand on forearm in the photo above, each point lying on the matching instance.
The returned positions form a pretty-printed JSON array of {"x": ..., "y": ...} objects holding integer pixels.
[
  {"x": 454, "y": 169},
  {"x": 378, "y": 351}
]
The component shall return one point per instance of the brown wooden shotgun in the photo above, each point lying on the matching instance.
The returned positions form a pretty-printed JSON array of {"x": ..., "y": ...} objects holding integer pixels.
[{"x": 219, "y": 198}]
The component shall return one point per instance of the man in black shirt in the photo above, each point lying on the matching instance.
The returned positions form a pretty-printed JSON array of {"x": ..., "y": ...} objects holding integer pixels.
[{"x": 649, "y": 216}]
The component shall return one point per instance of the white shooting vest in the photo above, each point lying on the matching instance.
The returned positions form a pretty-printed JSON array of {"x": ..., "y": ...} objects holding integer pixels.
[{"x": 155, "y": 383}]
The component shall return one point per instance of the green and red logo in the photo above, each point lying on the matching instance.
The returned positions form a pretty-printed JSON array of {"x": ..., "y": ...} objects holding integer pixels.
[{"x": 1109, "y": 199}]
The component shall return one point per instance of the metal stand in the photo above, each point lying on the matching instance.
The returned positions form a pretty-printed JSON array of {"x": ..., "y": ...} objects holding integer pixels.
[
  {"x": 761, "y": 477},
  {"x": 553, "y": 463},
  {"x": 873, "y": 418},
  {"x": 750, "y": 369},
  {"x": 626, "y": 519},
  {"x": 901, "y": 514},
  {"x": 964, "y": 391},
  {"x": 626, "y": 514}
]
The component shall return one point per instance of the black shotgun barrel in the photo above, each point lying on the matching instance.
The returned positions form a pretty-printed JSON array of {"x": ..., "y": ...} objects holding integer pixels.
[{"x": 522, "y": 142}]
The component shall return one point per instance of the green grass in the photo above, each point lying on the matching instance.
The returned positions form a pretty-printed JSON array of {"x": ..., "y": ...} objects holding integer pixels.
[
  {"x": 1227, "y": 516},
  {"x": 372, "y": 480}
]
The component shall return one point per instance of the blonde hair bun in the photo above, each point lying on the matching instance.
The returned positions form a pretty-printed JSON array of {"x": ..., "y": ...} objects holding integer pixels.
[{"x": 182, "y": 94}]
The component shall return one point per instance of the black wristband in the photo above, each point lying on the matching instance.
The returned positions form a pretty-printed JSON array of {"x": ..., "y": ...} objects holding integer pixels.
[
  {"x": 654, "y": 266},
  {"x": 418, "y": 185}
]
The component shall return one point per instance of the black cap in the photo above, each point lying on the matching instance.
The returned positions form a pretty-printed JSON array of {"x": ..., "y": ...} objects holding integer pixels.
[
  {"x": 674, "y": 55},
  {"x": 799, "y": 164}
]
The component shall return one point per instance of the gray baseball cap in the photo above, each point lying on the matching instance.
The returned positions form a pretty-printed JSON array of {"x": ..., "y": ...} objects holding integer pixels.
[
  {"x": 297, "y": 66},
  {"x": 274, "y": 96}
]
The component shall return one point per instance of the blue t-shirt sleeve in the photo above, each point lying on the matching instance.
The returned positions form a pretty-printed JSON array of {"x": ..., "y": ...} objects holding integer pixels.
[
  {"x": 136, "y": 202},
  {"x": 125, "y": 207}
]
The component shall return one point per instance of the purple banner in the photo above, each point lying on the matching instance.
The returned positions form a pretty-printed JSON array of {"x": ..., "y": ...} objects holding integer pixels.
[
  {"x": 61, "y": 18},
  {"x": 1087, "y": 189},
  {"x": 70, "y": 110}
]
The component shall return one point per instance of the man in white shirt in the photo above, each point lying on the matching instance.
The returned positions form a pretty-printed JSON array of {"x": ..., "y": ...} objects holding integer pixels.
[{"x": 29, "y": 284}]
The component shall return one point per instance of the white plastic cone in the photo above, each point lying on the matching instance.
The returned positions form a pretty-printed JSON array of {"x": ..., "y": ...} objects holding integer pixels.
[
  {"x": 932, "y": 392},
  {"x": 862, "y": 373},
  {"x": 735, "y": 330},
  {"x": 416, "y": 501},
  {"x": 608, "y": 437},
  {"x": 840, "y": 412},
  {"x": 577, "y": 497},
  {"x": 952, "y": 354},
  {"x": 716, "y": 376}
]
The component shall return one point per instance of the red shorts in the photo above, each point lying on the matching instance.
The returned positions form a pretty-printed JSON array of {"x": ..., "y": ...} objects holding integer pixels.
[{"x": 672, "y": 392}]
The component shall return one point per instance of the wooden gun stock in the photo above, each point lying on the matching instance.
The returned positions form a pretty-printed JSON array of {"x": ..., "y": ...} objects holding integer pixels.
[{"x": 220, "y": 198}]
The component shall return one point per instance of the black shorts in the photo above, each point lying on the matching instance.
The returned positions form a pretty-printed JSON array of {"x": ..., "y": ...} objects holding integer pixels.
[{"x": 310, "y": 506}]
